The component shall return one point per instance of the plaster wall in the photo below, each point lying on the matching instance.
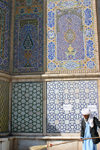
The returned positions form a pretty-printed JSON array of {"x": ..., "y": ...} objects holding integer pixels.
[
  {"x": 6, "y": 144},
  {"x": 28, "y": 144}
]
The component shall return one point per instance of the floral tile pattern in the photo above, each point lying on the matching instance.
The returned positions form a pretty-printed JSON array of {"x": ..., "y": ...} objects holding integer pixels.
[
  {"x": 71, "y": 36},
  {"x": 28, "y": 36},
  {"x": 65, "y": 100}
]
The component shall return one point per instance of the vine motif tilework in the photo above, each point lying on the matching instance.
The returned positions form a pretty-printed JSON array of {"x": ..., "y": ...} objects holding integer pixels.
[
  {"x": 27, "y": 107},
  {"x": 71, "y": 44},
  {"x": 4, "y": 35},
  {"x": 65, "y": 100},
  {"x": 4, "y": 106},
  {"x": 28, "y": 36}
]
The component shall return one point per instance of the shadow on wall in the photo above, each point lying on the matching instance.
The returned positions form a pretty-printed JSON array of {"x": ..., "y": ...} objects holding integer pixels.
[
  {"x": 27, "y": 144},
  {"x": 52, "y": 129},
  {"x": 98, "y": 13}
]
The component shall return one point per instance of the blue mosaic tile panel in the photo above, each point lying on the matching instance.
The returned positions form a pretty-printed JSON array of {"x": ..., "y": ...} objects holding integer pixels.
[
  {"x": 65, "y": 100},
  {"x": 4, "y": 35},
  {"x": 28, "y": 36},
  {"x": 27, "y": 107},
  {"x": 71, "y": 36},
  {"x": 4, "y": 106}
]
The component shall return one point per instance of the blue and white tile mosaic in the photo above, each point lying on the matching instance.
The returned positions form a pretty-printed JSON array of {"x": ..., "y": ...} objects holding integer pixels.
[
  {"x": 65, "y": 100},
  {"x": 5, "y": 18},
  {"x": 71, "y": 30},
  {"x": 28, "y": 36}
]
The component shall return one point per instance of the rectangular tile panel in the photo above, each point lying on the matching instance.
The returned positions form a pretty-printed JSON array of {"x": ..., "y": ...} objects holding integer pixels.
[
  {"x": 65, "y": 100},
  {"x": 5, "y": 18},
  {"x": 27, "y": 107},
  {"x": 28, "y": 36},
  {"x": 4, "y": 106},
  {"x": 72, "y": 45}
]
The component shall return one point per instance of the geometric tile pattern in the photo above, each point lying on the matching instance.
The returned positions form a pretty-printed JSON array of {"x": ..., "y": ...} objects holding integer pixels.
[
  {"x": 65, "y": 100},
  {"x": 28, "y": 36},
  {"x": 4, "y": 35},
  {"x": 27, "y": 107},
  {"x": 4, "y": 106},
  {"x": 71, "y": 44}
]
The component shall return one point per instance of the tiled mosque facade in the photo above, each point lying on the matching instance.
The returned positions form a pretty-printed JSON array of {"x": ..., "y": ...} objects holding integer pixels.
[
  {"x": 49, "y": 68},
  {"x": 71, "y": 42}
]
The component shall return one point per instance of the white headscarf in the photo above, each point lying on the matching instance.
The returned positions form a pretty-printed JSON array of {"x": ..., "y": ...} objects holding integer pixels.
[{"x": 86, "y": 111}]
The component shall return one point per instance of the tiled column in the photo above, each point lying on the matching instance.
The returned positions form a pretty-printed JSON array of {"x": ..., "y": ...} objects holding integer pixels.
[{"x": 4, "y": 107}]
